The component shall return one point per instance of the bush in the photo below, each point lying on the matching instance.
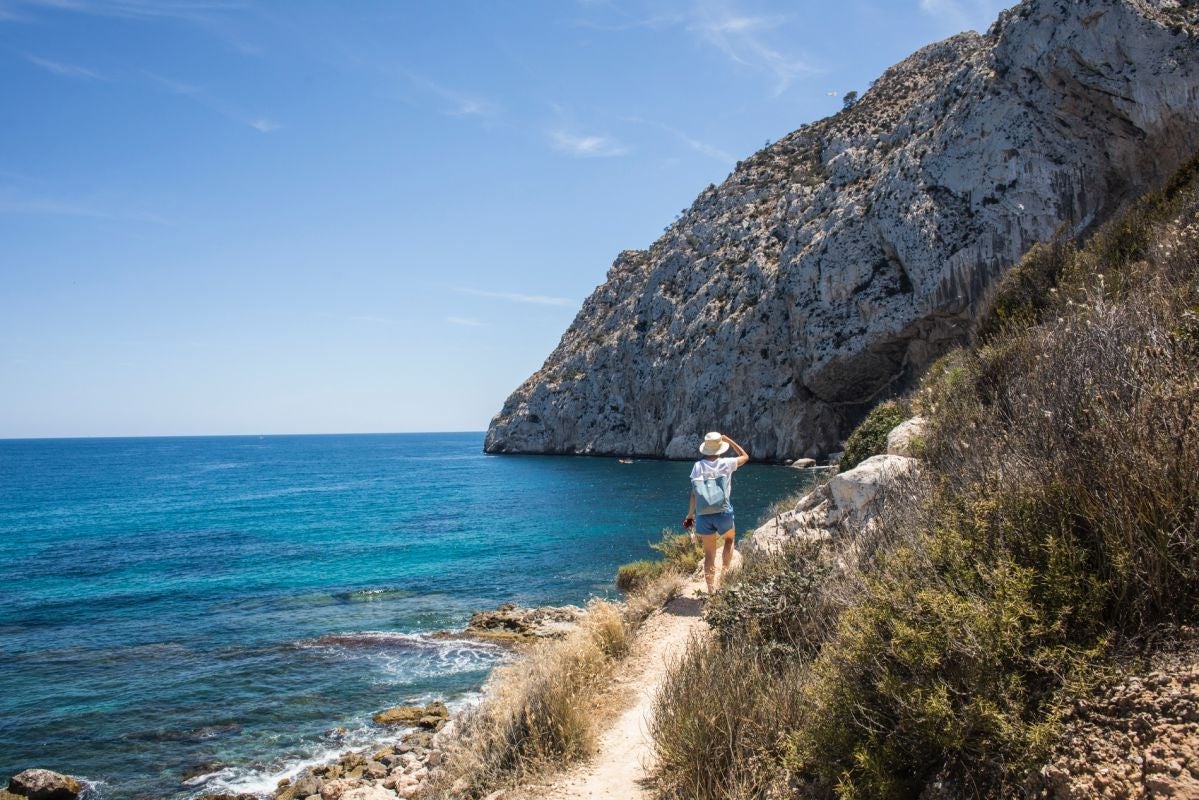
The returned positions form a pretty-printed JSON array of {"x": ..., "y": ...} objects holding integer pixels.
[
  {"x": 1055, "y": 524},
  {"x": 680, "y": 555},
  {"x": 716, "y": 721},
  {"x": 870, "y": 437},
  {"x": 773, "y": 602},
  {"x": 1060, "y": 520},
  {"x": 632, "y": 576}
]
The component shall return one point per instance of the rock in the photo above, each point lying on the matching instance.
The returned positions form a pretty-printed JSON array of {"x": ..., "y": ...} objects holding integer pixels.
[
  {"x": 907, "y": 438},
  {"x": 306, "y": 784},
  {"x": 434, "y": 758},
  {"x": 421, "y": 739},
  {"x": 334, "y": 789},
  {"x": 856, "y": 491},
  {"x": 42, "y": 784},
  {"x": 226, "y": 796},
  {"x": 445, "y": 735},
  {"x": 512, "y": 623},
  {"x": 427, "y": 716},
  {"x": 803, "y": 463},
  {"x": 846, "y": 504},
  {"x": 839, "y": 261},
  {"x": 373, "y": 792}
]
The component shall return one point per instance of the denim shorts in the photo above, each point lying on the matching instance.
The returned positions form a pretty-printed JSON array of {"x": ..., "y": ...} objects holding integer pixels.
[{"x": 714, "y": 523}]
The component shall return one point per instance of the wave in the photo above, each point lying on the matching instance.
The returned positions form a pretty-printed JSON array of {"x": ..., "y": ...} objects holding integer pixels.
[
  {"x": 410, "y": 656},
  {"x": 263, "y": 779}
]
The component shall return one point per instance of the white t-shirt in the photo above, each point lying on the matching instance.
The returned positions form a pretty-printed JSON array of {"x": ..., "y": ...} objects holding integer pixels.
[{"x": 714, "y": 469}]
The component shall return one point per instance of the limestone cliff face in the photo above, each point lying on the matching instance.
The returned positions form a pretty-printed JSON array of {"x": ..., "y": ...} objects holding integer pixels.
[{"x": 833, "y": 265}]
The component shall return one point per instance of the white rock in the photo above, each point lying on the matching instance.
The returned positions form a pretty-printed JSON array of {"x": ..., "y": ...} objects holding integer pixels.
[
  {"x": 372, "y": 792},
  {"x": 902, "y": 437},
  {"x": 856, "y": 491}
]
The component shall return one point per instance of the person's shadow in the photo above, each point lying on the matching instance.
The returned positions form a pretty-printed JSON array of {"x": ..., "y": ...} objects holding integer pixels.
[{"x": 681, "y": 606}]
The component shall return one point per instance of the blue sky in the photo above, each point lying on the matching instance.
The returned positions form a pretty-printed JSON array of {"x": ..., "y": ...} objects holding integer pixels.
[{"x": 294, "y": 217}]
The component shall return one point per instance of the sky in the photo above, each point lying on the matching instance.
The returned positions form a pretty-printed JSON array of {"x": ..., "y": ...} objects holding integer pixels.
[{"x": 253, "y": 217}]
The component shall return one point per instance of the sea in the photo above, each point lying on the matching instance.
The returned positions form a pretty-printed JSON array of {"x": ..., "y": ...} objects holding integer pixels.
[{"x": 193, "y": 615}]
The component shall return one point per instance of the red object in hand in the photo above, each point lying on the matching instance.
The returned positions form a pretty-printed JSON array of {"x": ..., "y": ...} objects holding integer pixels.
[{"x": 688, "y": 522}]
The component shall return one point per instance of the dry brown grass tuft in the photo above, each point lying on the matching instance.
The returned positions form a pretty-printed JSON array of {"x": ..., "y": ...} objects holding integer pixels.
[{"x": 541, "y": 710}]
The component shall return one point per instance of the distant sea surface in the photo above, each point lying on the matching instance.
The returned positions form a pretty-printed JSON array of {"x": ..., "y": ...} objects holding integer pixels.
[{"x": 183, "y": 616}]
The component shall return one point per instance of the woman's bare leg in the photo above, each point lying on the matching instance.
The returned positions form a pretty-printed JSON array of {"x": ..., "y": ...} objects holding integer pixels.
[
  {"x": 726, "y": 555},
  {"x": 710, "y": 542}
]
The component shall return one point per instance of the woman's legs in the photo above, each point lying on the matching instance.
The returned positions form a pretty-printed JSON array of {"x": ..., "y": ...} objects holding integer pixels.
[
  {"x": 711, "y": 542},
  {"x": 726, "y": 556}
]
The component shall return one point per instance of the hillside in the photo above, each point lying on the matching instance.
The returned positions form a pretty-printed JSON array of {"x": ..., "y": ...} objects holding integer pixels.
[
  {"x": 1008, "y": 609},
  {"x": 834, "y": 265}
]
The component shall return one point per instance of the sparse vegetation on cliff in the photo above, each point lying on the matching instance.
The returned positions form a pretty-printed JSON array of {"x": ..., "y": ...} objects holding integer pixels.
[{"x": 1053, "y": 526}]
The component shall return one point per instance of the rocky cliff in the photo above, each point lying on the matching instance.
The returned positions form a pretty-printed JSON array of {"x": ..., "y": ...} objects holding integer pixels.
[{"x": 833, "y": 265}]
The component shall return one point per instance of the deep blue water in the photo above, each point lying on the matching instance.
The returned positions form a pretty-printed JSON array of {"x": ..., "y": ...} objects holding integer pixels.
[{"x": 185, "y": 615}]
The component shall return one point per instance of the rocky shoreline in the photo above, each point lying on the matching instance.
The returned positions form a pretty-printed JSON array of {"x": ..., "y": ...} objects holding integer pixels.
[{"x": 381, "y": 772}]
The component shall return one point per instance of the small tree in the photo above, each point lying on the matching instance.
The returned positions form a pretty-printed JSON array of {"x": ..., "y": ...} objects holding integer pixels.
[{"x": 849, "y": 99}]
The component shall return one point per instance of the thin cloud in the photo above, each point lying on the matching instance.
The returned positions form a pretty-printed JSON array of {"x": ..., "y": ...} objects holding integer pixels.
[
  {"x": 455, "y": 103},
  {"x": 64, "y": 70},
  {"x": 744, "y": 39},
  {"x": 960, "y": 15},
  {"x": 196, "y": 93},
  {"x": 214, "y": 17},
  {"x": 129, "y": 9},
  {"x": 586, "y": 145},
  {"x": 516, "y": 297},
  {"x": 466, "y": 322},
  {"x": 703, "y": 148},
  {"x": 14, "y": 203}
]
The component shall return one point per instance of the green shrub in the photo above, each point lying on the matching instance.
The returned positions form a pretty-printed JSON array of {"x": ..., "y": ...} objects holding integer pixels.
[
  {"x": 1026, "y": 290},
  {"x": 870, "y": 437},
  {"x": 632, "y": 576},
  {"x": 773, "y": 602},
  {"x": 679, "y": 553}
]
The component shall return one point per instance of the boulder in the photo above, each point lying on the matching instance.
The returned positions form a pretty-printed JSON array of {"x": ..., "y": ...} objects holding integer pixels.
[
  {"x": 42, "y": 784},
  {"x": 512, "y": 623},
  {"x": 847, "y": 503},
  {"x": 372, "y": 792},
  {"x": 907, "y": 438},
  {"x": 427, "y": 716},
  {"x": 336, "y": 789},
  {"x": 856, "y": 492}
]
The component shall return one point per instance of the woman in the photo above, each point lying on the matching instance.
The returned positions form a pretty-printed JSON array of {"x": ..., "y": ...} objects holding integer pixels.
[{"x": 712, "y": 485}]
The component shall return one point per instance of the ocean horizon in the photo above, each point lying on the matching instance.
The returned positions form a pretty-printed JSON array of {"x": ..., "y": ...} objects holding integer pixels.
[{"x": 193, "y": 614}]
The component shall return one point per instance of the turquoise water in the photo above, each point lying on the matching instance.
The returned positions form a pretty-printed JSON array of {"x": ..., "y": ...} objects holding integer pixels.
[{"x": 191, "y": 615}]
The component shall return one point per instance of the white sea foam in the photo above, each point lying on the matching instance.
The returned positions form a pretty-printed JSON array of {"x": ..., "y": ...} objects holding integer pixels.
[{"x": 410, "y": 655}]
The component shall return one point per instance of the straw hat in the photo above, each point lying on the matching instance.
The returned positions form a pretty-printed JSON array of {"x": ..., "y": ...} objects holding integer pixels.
[{"x": 713, "y": 444}]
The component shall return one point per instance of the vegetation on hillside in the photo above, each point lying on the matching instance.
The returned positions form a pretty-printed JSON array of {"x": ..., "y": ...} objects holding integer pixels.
[
  {"x": 1053, "y": 528},
  {"x": 680, "y": 555}
]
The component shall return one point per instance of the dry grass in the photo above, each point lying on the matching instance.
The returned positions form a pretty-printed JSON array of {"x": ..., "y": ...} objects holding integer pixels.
[{"x": 541, "y": 711}]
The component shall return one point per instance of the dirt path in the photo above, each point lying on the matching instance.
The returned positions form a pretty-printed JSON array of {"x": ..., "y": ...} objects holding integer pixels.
[{"x": 623, "y": 764}]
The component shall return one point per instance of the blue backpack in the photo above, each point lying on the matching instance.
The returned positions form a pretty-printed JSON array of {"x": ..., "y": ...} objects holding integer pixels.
[{"x": 711, "y": 494}]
